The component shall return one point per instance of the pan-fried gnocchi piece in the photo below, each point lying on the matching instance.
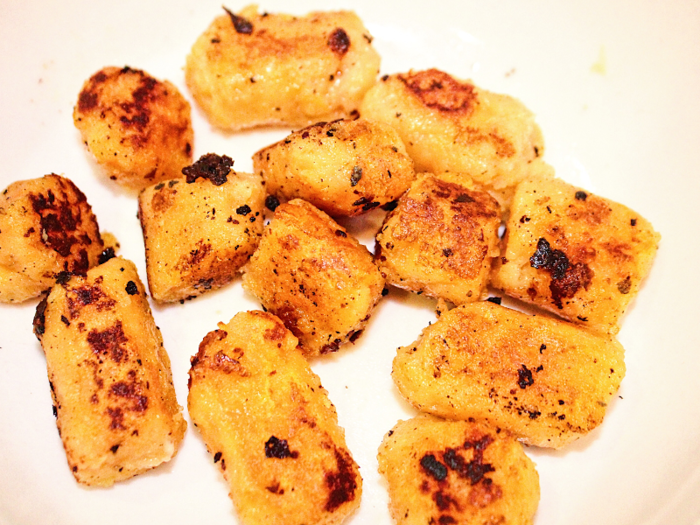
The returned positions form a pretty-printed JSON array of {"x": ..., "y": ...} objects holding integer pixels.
[
  {"x": 46, "y": 227},
  {"x": 452, "y": 125},
  {"x": 457, "y": 472},
  {"x": 546, "y": 381},
  {"x": 314, "y": 276},
  {"x": 199, "y": 230},
  {"x": 578, "y": 255},
  {"x": 251, "y": 69},
  {"x": 110, "y": 376},
  {"x": 345, "y": 167},
  {"x": 440, "y": 239},
  {"x": 270, "y": 426},
  {"x": 138, "y": 128}
]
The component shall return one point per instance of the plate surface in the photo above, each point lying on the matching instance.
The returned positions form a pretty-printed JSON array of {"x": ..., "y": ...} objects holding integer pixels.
[{"x": 614, "y": 85}]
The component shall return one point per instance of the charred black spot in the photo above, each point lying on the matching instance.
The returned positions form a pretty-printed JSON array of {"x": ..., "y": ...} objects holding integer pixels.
[
  {"x": 240, "y": 24},
  {"x": 60, "y": 219},
  {"x": 581, "y": 195},
  {"x": 354, "y": 335},
  {"x": 131, "y": 288},
  {"x": 210, "y": 166},
  {"x": 39, "y": 321},
  {"x": 217, "y": 457},
  {"x": 391, "y": 205},
  {"x": 339, "y": 41},
  {"x": 554, "y": 261},
  {"x": 279, "y": 448},
  {"x": 463, "y": 197},
  {"x": 243, "y": 210},
  {"x": 106, "y": 255},
  {"x": 525, "y": 378},
  {"x": 567, "y": 279},
  {"x": 433, "y": 467},
  {"x": 473, "y": 470},
  {"x": 63, "y": 277},
  {"x": 341, "y": 483},
  {"x": 271, "y": 202}
]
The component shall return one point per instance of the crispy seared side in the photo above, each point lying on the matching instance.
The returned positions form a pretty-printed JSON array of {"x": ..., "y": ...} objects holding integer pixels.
[
  {"x": 311, "y": 273},
  {"x": 110, "y": 376},
  {"x": 452, "y": 125},
  {"x": 578, "y": 255},
  {"x": 457, "y": 472},
  {"x": 46, "y": 227},
  {"x": 138, "y": 128},
  {"x": 251, "y": 69},
  {"x": 199, "y": 231},
  {"x": 440, "y": 239},
  {"x": 270, "y": 427},
  {"x": 548, "y": 382},
  {"x": 344, "y": 167}
]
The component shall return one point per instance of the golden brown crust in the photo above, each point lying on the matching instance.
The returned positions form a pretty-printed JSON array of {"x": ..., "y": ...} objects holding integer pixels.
[
  {"x": 109, "y": 374},
  {"x": 452, "y": 125},
  {"x": 578, "y": 255},
  {"x": 46, "y": 228},
  {"x": 198, "y": 234},
  {"x": 314, "y": 276},
  {"x": 344, "y": 167},
  {"x": 251, "y": 69},
  {"x": 457, "y": 472},
  {"x": 270, "y": 426},
  {"x": 546, "y": 381},
  {"x": 138, "y": 128},
  {"x": 440, "y": 239}
]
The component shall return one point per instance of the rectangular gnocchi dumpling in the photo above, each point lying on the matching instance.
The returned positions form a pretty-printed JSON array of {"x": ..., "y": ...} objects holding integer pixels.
[
  {"x": 200, "y": 229},
  {"x": 440, "y": 239},
  {"x": 574, "y": 253},
  {"x": 546, "y": 381},
  {"x": 448, "y": 124},
  {"x": 110, "y": 375},
  {"x": 345, "y": 167},
  {"x": 270, "y": 427},
  {"x": 250, "y": 69},
  {"x": 443, "y": 472},
  {"x": 316, "y": 277}
]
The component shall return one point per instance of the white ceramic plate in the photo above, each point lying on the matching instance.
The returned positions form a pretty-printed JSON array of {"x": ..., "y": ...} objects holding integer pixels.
[{"x": 615, "y": 86}]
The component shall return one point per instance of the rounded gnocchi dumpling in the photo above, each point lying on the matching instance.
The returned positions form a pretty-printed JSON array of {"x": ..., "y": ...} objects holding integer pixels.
[{"x": 138, "y": 128}]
